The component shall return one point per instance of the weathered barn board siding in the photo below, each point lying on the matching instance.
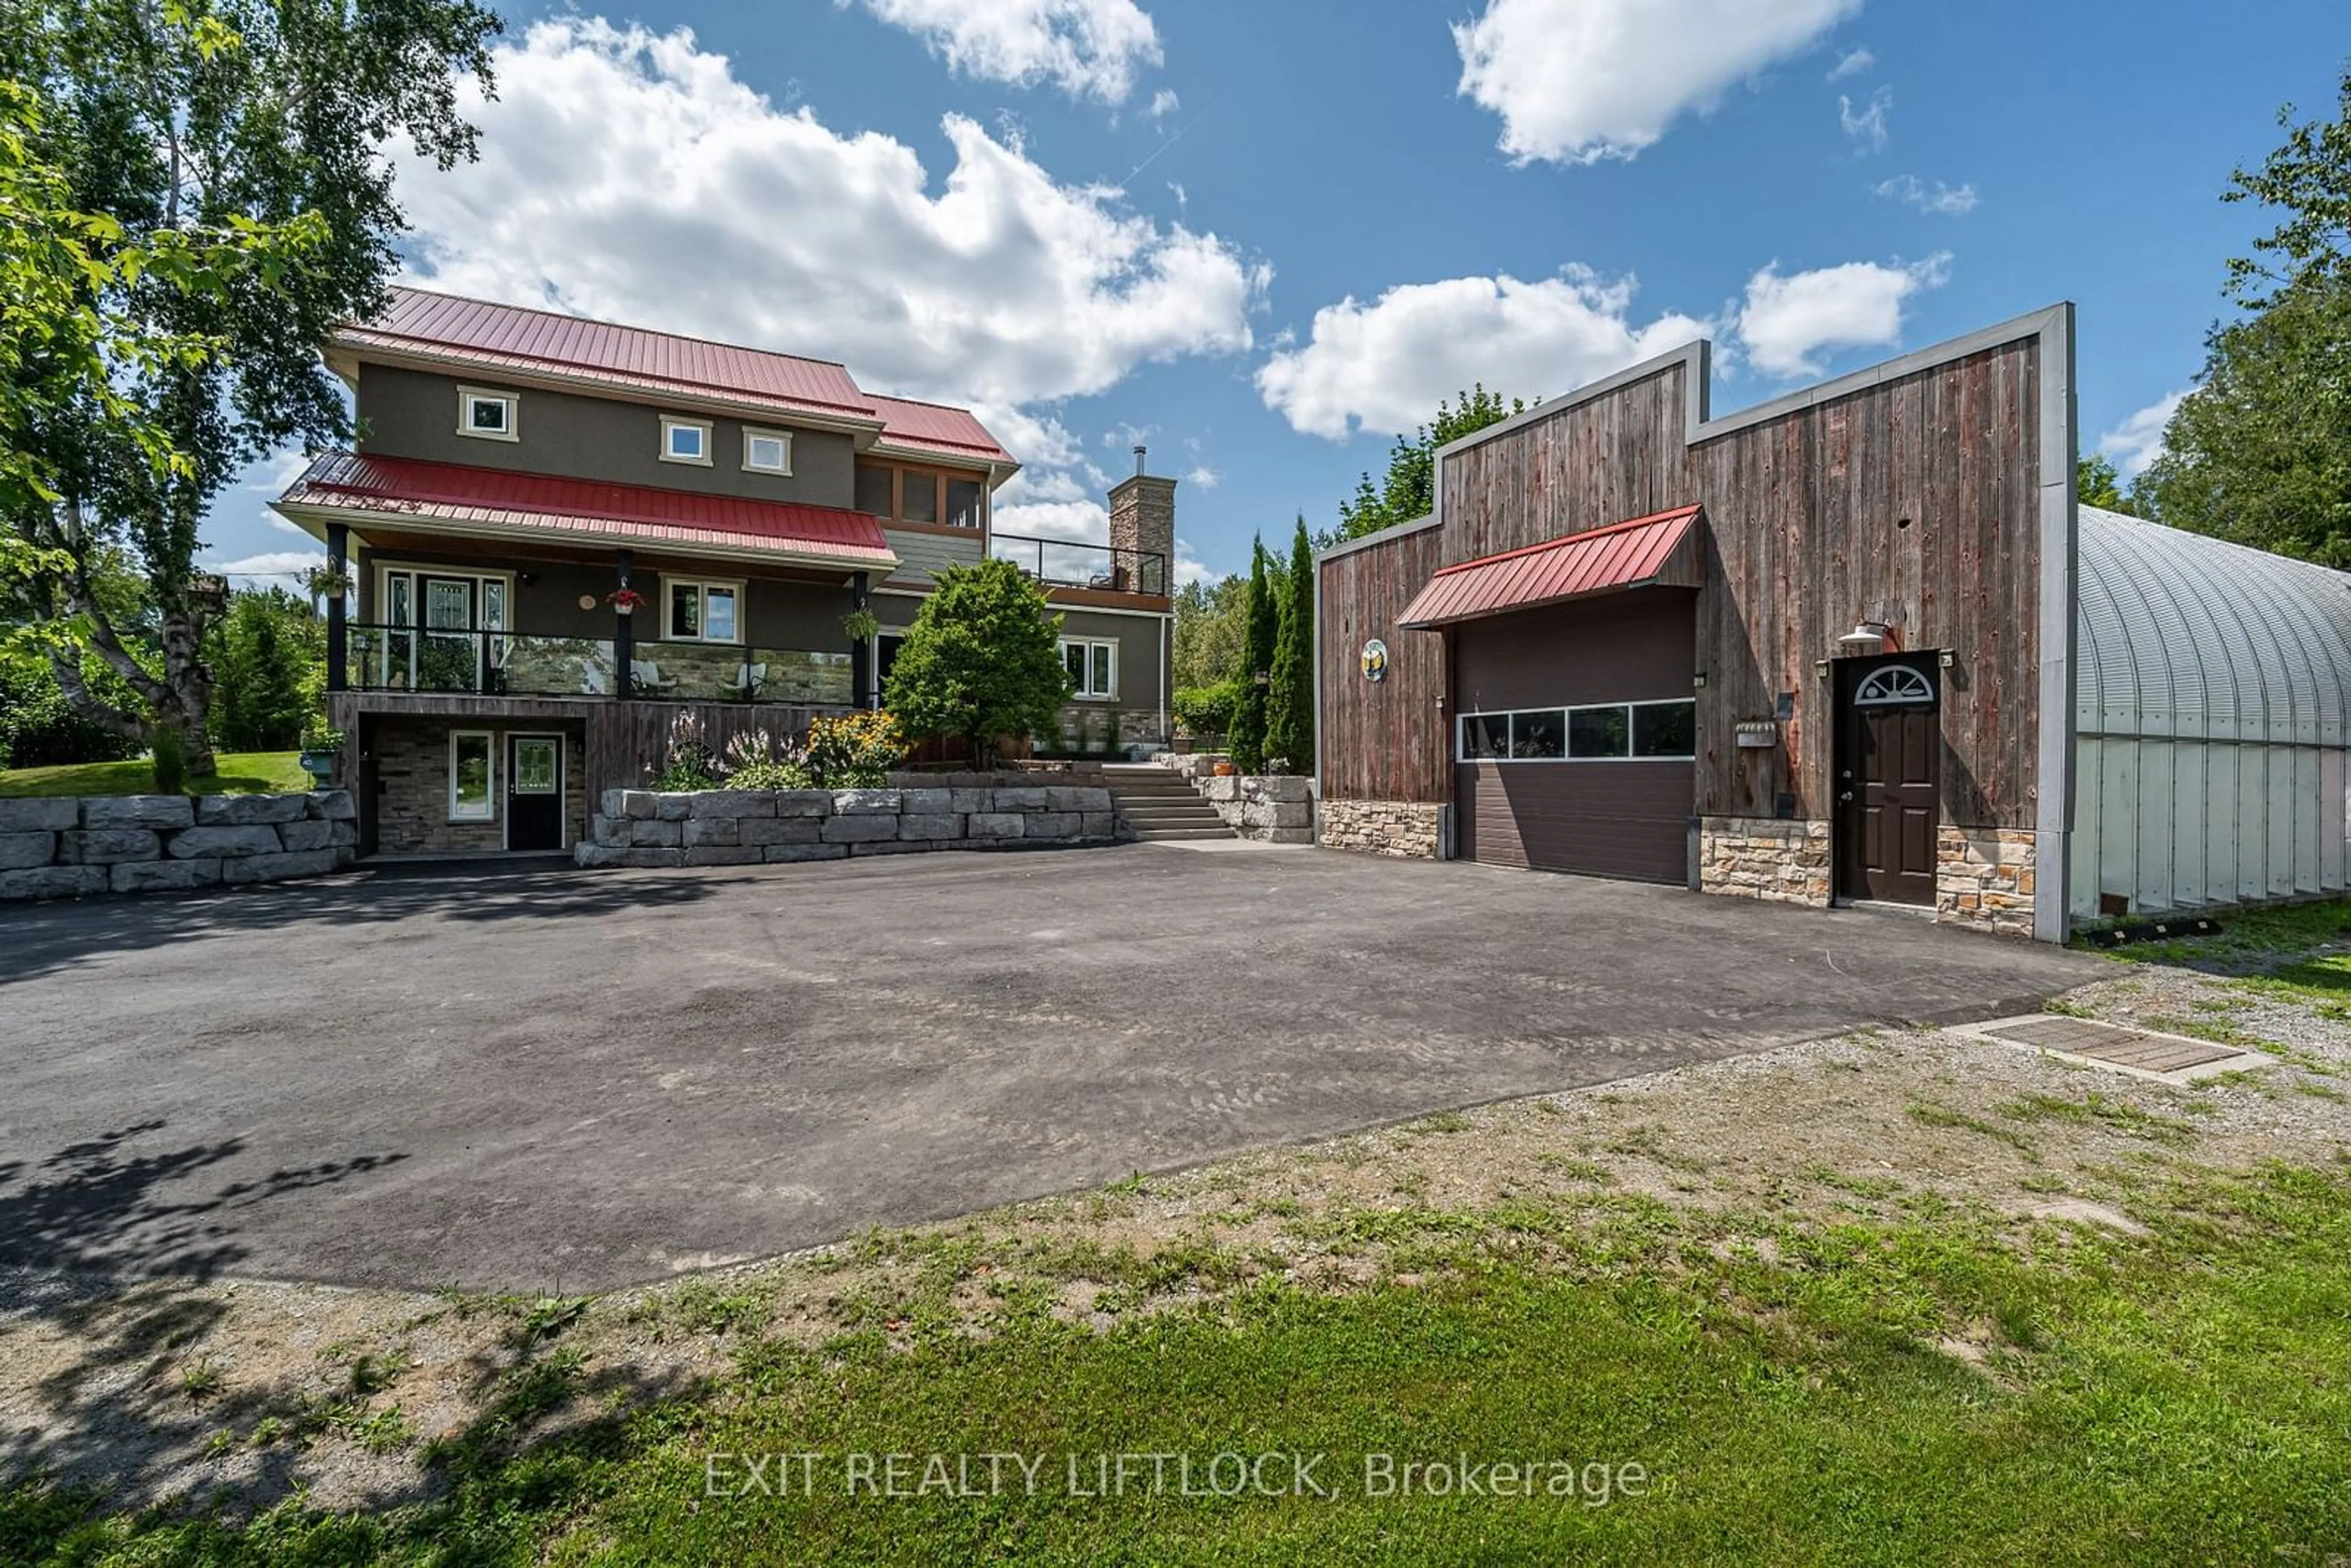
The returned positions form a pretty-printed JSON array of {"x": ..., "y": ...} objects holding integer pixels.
[
  {"x": 1807, "y": 511},
  {"x": 1381, "y": 740},
  {"x": 1803, "y": 512},
  {"x": 629, "y": 741}
]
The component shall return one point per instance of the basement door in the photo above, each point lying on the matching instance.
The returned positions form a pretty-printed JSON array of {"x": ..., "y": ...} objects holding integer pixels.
[
  {"x": 535, "y": 792},
  {"x": 1888, "y": 779}
]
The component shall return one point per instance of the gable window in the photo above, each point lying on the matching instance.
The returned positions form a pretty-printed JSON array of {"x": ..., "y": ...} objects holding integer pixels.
[
  {"x": 704, "y": 612},
  {"x": 473, "y": 773},
  {"x": 487, "y": 415},
  {"x": 768, "y": 451},
  {"x": 685, "y": 441},
  {"x": 1092, "y": 666}
]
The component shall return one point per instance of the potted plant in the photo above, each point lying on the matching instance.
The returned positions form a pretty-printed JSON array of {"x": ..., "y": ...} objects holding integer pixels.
[
  {"x": 1223, "y": 769},
  {"x": 320, "y": 748},
  {"x": 328, "y": 582},
  {"x": 1182, "y": 744},
  {"x": 625, "y": 600}
]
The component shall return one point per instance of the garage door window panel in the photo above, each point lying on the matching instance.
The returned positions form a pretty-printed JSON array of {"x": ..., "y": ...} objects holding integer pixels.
[
  {"x": 1485, "y": 736},
  {"x": 1668, "y": 730},
  {"x": 1539, "y": 735},
  {"x": 1599, "y": 733}
]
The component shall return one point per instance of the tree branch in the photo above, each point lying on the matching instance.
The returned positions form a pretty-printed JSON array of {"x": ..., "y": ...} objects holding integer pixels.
[{"x": 86, "y": 703}]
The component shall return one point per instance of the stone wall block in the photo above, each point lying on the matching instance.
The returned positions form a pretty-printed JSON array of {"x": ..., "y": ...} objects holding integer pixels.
[
  {"x": 930, "y": 826},
  {"x": 710, "y": 832},
  {"x": 166, "y": 876},
  {"x": 276, "y": 868},
  {"x": 859, "y": 827},
  {"x": 866, "y": 803},
  {"x": 199, "y": 844},
  {"x": 737, "y": 803},
  {"x": 39, "y": 815},
  {"x": 995, "y": 825},
  {"x": 332, "y": 805},
  {"x": 248, "y": 811},
  {"x": 785, "y": 855},
  {"x": 112, "y": 846},
  {"x": 21, "y": 851},
  {"x": 138, "y": 811},
  {"x": 297, "y": 837},
  {"x": 54, "y": 882},
  {"x": 656, "y": 834},
  {"x": 764, "y": 831},
  {"x": 804, "y": 802}
]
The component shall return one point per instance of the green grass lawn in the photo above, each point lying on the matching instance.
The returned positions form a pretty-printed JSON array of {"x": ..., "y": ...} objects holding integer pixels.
[
  {"x": 1927, "y": 1389},
  {"x": 241, "y": 773}
]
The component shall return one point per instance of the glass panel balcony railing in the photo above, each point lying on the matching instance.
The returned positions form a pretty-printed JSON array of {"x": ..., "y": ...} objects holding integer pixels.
[
  {"x": 515, "y": 664},
  {"x": 704, "y": 672},
  {"x": 1059, "y": 563}
]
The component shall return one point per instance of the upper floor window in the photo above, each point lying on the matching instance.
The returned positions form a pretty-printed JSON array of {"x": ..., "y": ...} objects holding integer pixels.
[
  {"x": 704, "y": 612},
  {"x": 927, "y": 496},
  {"x": 685, "y": 440},
  {"x": 487, "y": 415},
  {"x": 768, "y": 451}
]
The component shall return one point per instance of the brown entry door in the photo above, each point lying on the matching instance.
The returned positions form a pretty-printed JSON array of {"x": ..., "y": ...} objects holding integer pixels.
[{"x": 1889, "y": 779}]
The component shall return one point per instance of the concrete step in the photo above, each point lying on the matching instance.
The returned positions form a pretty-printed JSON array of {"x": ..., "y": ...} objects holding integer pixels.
[
  {"x": 1140, "y": 821},
  {"x": 1165, "y": 835}
]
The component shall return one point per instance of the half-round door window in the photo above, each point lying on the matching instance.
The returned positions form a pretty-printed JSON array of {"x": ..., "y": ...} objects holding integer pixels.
[{"x": 1896, "y": 685}]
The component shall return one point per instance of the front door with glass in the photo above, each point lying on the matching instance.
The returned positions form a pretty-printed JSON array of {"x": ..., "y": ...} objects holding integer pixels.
[{"x": 535, "y": 792}]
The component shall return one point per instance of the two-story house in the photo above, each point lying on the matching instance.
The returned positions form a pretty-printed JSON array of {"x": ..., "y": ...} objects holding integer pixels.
[{"x": 554, "y": 534}]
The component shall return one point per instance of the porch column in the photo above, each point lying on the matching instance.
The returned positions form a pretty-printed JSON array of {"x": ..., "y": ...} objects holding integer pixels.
[
  {"x": 624, "y": 636},
  {"x": 338, "y": 541},
  {"x": 861, "y": 650}
]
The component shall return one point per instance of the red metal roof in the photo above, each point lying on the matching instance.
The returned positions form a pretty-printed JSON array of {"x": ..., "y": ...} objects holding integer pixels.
[
  {"x": 513, "y": 337},
  {"x": 628, "y": 514},
  {"x": 1622, "y": 555},
  {"x": 952, "y": 432}
]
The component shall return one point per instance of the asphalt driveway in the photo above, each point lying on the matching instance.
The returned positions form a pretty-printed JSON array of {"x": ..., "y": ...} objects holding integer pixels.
[{"x": 551, "y": 1080}]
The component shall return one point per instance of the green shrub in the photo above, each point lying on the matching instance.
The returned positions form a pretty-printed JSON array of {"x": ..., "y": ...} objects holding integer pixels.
[
  {"x": 771, "y": 773},
  {"x": 855, "y": 751},
  {"x": 171, "y": 748},
  {"x": 38, "y": 728},
  {"x": 1207, "y": 710}
]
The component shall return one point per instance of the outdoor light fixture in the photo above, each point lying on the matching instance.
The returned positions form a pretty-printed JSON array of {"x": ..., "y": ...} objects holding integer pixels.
[
  {"x": 1866, "y": 636},
  {"x": 1947, "y": 658}
]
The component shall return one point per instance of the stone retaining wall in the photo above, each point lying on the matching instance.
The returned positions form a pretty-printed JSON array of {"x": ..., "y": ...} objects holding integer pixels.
[
  {"x": 69, "y": 847},
  {"x": 753, "y": 827},
  {"x": 1402, "y": 828},
  {"x": 1272, "y": 808}
]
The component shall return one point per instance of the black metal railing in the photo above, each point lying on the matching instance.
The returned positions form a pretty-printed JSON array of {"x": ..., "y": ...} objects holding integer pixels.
[
  {"x": 1059, "y": 563},
  {"x": 518, "y": 664}
]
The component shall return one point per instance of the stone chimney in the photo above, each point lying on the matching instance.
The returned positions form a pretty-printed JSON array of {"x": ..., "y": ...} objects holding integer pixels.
[{"x": 1143, "y": 531}]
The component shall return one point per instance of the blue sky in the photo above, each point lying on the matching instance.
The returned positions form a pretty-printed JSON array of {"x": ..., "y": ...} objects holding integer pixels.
[{"x": 1264, "y": 236}]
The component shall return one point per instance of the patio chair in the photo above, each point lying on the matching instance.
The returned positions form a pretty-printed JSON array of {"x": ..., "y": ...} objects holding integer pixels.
[{"x": 649, "y": 679}]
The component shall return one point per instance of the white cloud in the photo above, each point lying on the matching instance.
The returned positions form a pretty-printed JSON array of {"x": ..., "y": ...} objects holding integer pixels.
[
  {"x": 1788, "y": 320},
  {"x": 1579, "y": 80},
  {"x": 997, "y": 287},
  {"x": 1867, "y": 123},
  {"x": 2138, "y": 441},
  {"x": 1191, "y": 568},
  {"x": 1086, "y": 48},
  {"x": 1852, "y": 64},
  {"x": 1387, "y": 365},
  {"x": 1204, "y": 476},
  {"x": 1164, "y": 103},
  {"x": 1949, "y": 200},
  {"x": 271, "y": 568}
]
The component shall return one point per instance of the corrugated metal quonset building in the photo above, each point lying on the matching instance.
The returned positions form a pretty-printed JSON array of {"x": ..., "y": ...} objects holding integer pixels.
[{"x": 1859, "y": 643}]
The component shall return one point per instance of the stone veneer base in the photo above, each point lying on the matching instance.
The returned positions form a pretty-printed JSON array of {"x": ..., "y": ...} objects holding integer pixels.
[
  {"x": 1406, "y": 828},
  {"x": 1983, "y": 876}
]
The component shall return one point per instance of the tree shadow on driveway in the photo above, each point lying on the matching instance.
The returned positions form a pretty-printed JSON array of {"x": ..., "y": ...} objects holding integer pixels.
[{"x": 46, "y": 938}]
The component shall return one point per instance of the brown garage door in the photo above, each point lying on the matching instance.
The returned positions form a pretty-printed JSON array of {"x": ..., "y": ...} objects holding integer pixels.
[{"x": 1574, "y": 737}]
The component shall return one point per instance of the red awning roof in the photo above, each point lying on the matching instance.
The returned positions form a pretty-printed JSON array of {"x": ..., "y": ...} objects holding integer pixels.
[
  {"x": 493, "y": 499},
  {"x": 935, "y": 427},
  {"x": 1646, "y": 550}
]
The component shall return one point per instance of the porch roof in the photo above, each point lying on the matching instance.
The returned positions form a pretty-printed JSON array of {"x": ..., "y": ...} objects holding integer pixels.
[
  {"x": 1646, "y": 550},
  {"x": 362, "y": 487}
]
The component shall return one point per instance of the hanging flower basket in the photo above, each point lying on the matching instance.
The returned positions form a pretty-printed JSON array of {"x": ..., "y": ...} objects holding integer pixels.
[{"x": 625, "y": 600}]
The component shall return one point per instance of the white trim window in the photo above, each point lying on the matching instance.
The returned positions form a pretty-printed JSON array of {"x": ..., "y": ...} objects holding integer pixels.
[
  {"x": 487, "y": 415},
  {"x": 1597, "y": 732},
  {"x": 1093, "y": 666},
  {"x": 767, "y": 451},
  {"x": 695, "y": 610},
  {"x": 472, "y": 776},
  {"x": 685, "y": 441}
]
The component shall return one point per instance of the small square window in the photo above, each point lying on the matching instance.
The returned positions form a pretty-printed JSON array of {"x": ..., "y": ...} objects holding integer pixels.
[
  {"x": 766, "y": 452},
  {"x": 685, "y": 441},
  {"x": 1538, "y": 737},
  {"x": 486, "y": 415},
  {"x": 1596, "y": 732},
  {"x": 1665, "y": 729},
  {"x": 704, "y": 612},
  {"x": 1485, "y": 736}
]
